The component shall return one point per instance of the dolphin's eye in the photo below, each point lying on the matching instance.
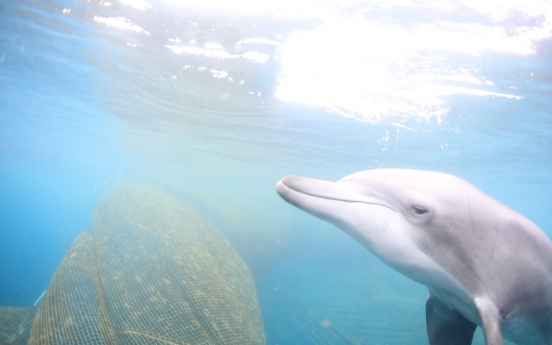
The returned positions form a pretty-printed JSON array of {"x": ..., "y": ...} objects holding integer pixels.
[{"x": 419, "y": 210}]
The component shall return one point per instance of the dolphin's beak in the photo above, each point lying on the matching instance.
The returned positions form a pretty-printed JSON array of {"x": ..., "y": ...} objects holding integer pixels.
[
  {"x": 318, "y": 188},
  {"x": 295, "y": 189}
]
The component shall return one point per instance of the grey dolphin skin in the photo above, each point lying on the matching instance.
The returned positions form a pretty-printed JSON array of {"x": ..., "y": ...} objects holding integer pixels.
[{"x": 483, "y": 263}]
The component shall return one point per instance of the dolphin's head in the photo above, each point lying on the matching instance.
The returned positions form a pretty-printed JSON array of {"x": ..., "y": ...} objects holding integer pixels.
[{"x": 397, "y": 214}]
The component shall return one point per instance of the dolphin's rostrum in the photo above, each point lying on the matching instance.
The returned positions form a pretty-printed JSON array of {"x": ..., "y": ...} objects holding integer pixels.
[{"x": 483, "y": 263}]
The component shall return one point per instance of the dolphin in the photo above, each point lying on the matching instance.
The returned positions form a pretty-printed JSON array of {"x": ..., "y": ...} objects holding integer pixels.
[{"x": 483, "y": 263}]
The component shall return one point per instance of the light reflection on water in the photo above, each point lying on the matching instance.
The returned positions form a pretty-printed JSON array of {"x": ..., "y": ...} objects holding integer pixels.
[
  {"x": 367, "y": 68},
  {"x": 232, "y": 76},
  {"x": 376, "y": 69},
  {"x": 372, "y": 67},
  {"x": 255, "y": 84}
]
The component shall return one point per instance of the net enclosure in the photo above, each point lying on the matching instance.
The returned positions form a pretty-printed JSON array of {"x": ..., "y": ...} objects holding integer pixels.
[
  {"x": 15, "y": 324},
  {"x": 152, "y": 271}
]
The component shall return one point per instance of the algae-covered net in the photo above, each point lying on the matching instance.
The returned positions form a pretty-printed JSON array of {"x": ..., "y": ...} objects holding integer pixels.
[
  {"x": 152, "y": 271},
  {"x": 15, "y": 324}
]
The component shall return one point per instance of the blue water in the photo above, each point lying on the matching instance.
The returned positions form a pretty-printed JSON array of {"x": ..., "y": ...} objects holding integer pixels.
[{"x": 219, "y": 101}]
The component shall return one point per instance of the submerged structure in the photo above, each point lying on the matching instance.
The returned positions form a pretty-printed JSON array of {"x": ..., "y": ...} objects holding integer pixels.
[
  {"x": 152, "y": 271},
  {"x": 15, "y": 324}
]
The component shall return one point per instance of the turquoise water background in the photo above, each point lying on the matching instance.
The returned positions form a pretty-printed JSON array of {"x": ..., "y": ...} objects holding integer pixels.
[{"x": 218, "y": 101}]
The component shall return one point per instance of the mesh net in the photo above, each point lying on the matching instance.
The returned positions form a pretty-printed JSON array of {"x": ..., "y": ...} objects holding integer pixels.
[
  {"x": 15, "y": 324},
  {"x": 152, "y": 271}
]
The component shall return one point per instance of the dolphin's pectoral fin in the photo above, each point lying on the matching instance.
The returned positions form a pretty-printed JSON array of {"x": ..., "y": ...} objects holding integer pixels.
[
  {"x": 490, "y": 317},
  {"x": 446, "y": 326}
]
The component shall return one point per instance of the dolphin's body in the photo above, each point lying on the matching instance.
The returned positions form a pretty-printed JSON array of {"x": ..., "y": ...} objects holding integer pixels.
[{"x": 483, "y": 263}]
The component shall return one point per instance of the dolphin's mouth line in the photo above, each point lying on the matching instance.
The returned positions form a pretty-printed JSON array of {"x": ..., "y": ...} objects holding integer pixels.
[{"x": 336, "y": 199}]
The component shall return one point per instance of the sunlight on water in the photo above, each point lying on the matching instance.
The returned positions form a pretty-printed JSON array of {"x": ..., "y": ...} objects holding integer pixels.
[
  {"x": 291, "y": 7},
  {"x": 120, "y": 23},
  {"x": 202, "y": 73},
  {"x": 138, "y": 4},
  {"x": 372, "y": 70},
  {"x": 218, "y": 52}
]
